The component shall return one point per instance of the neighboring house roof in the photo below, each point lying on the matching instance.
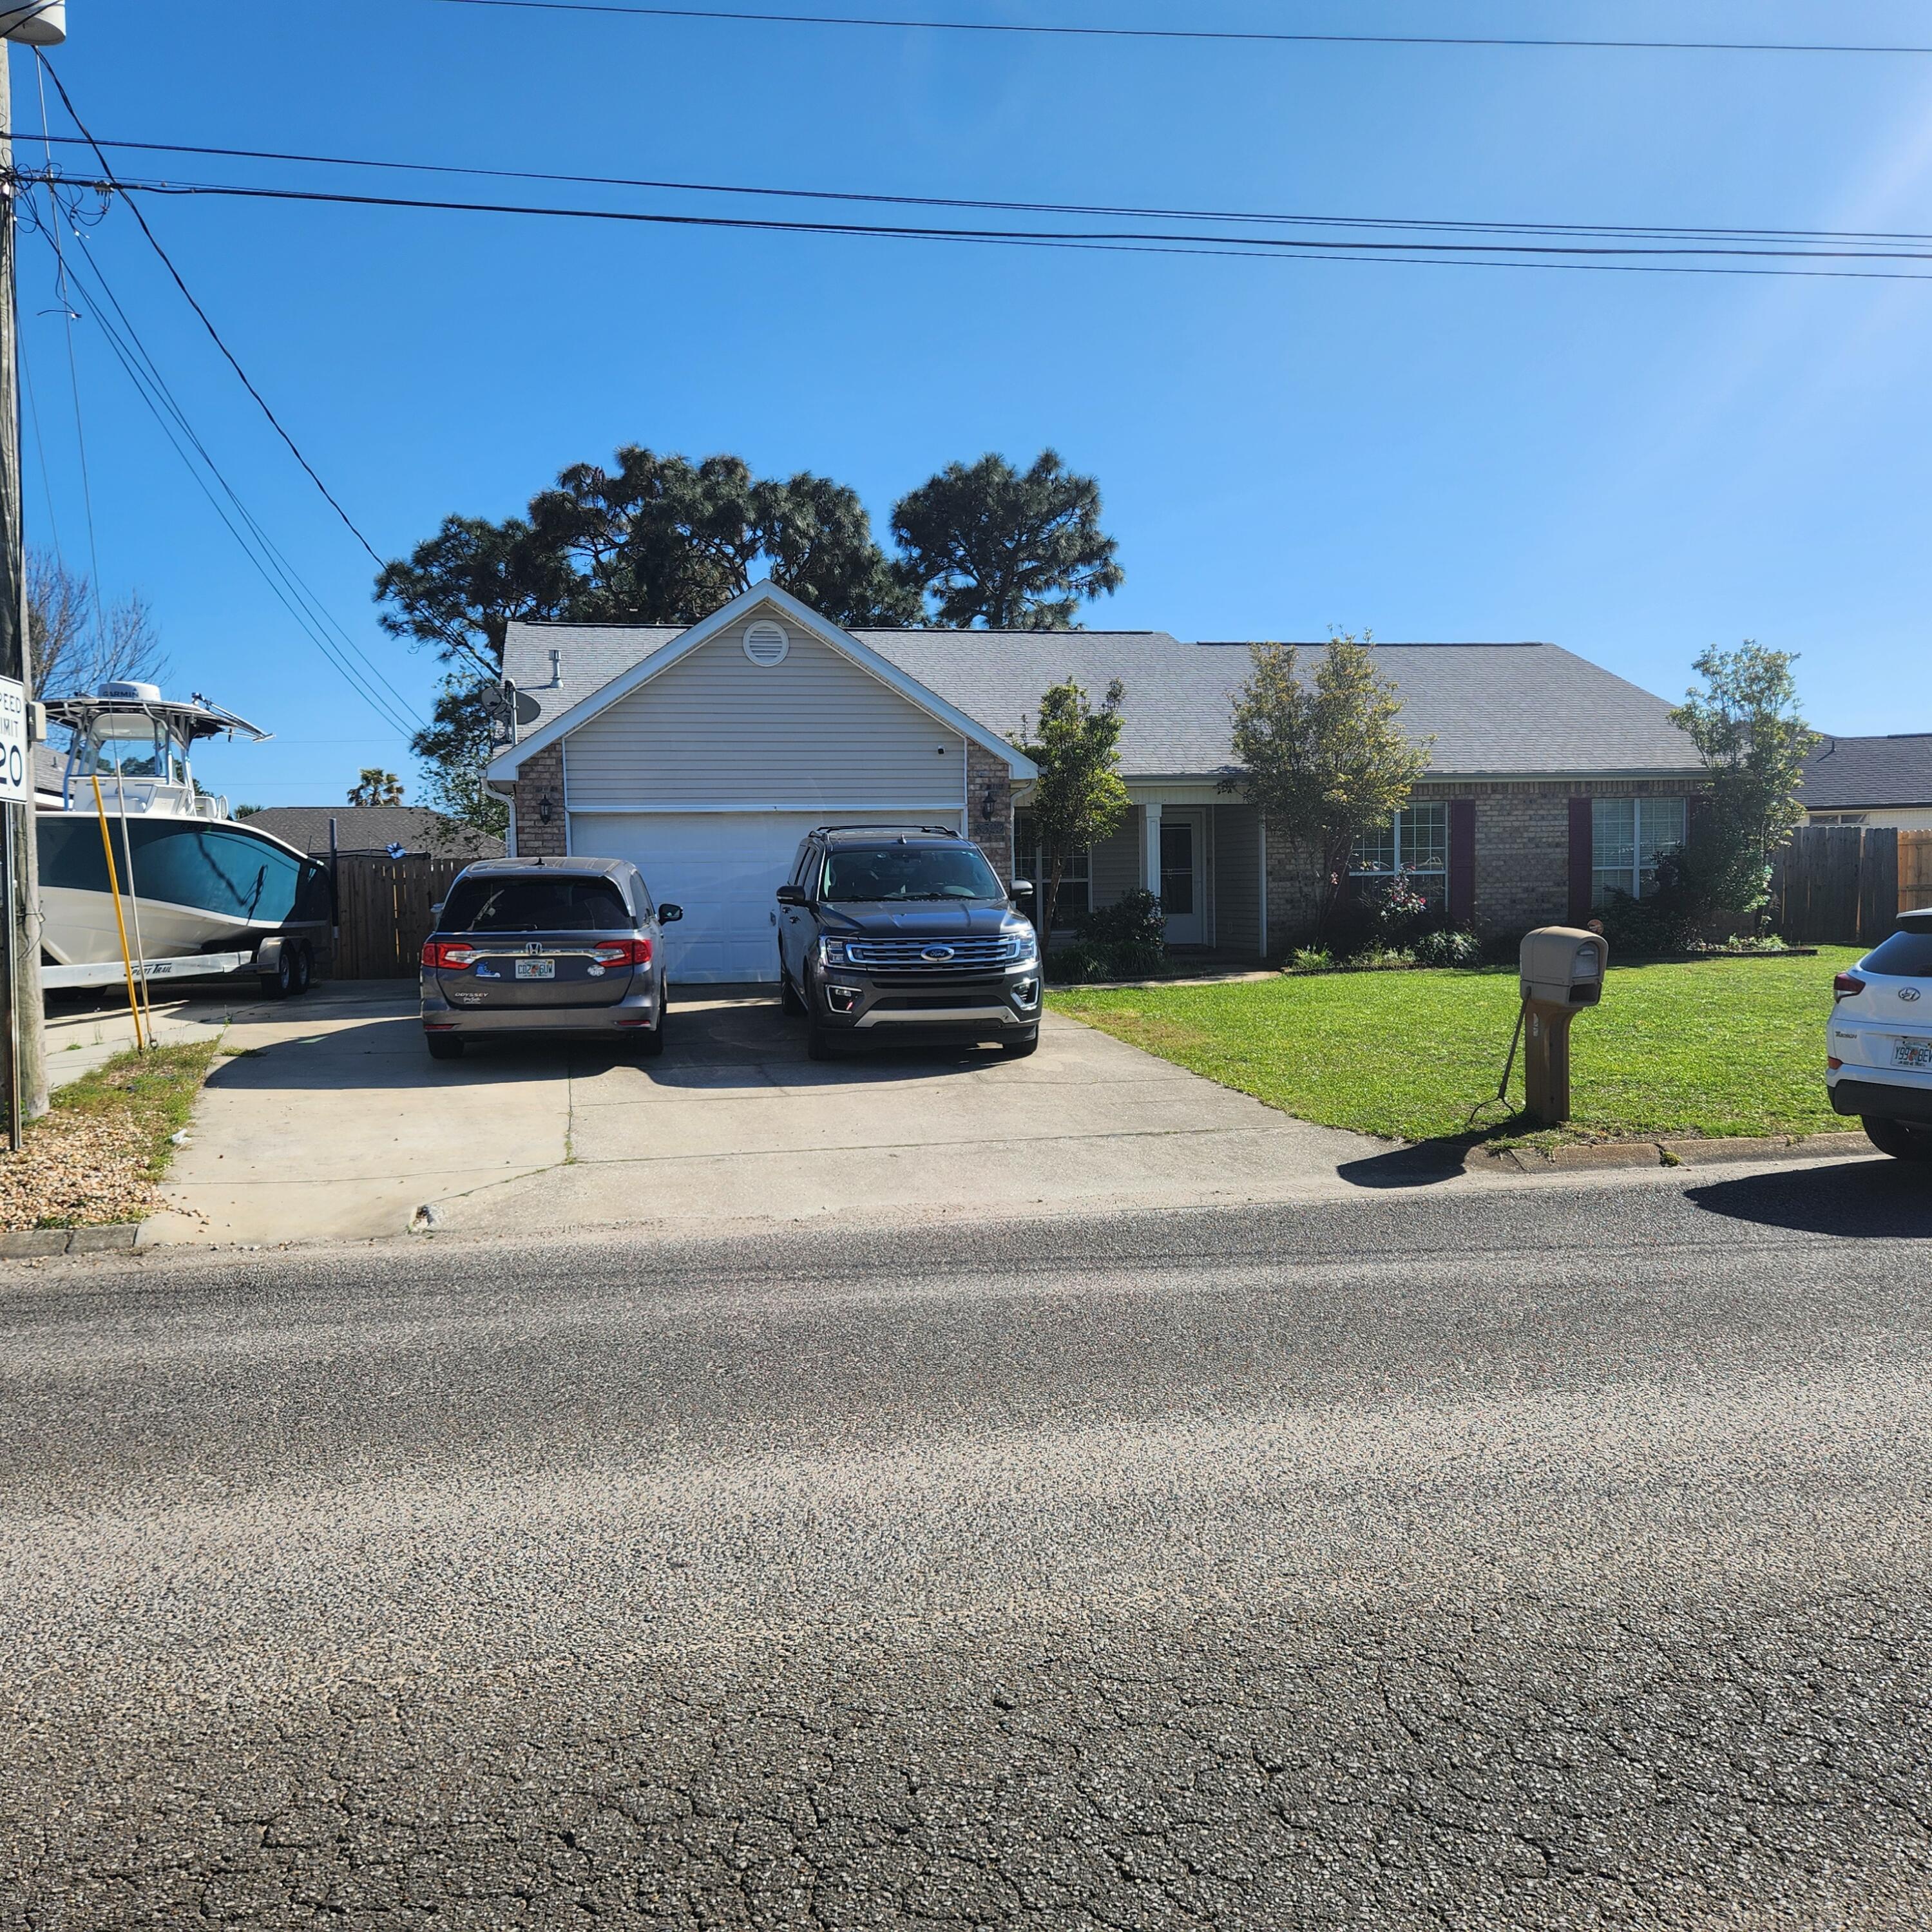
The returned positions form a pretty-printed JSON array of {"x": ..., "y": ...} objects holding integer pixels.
[
  {"x": 1843, "y": 771},
  {"x": 1502, "y": 709},
  {"x": 374, "y": 828}
]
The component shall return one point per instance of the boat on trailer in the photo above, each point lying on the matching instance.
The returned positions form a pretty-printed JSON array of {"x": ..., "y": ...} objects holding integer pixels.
[{"x": 202, "y": 891}]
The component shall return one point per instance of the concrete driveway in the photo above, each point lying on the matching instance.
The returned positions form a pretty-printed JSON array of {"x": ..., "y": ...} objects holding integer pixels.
[{"x": 335, "y": 1123}]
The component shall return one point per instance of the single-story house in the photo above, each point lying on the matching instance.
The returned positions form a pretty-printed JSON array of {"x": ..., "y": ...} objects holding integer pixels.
[
  {"x": 1871, "y": 782},
  {"x": 705, "y": 754},
  {"x": 375, "y": 829}
]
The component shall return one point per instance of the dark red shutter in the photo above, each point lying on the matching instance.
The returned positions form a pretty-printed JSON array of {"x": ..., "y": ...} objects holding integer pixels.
[
  {"x": 1582, "y": 856},
  {"x": 1462, "y": 862}
]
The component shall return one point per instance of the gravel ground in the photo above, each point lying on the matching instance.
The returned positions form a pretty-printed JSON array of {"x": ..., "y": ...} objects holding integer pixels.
[{"x": 1545, "y": 1557}]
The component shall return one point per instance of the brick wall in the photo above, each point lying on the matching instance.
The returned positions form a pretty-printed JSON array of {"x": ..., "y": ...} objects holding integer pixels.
[
  {"x": 992, "y": 830},
  {"x": 540, "y": 776},
  {"x": 1523, "y": 854}
]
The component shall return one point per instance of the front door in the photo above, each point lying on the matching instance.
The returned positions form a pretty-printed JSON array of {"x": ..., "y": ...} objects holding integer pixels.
[{"x": 1183, "y": 833}]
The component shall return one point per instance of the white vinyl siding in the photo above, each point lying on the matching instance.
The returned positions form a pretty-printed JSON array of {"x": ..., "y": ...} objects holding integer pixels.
[
  {"x": 715, "y": 731},
  {"x": 1235, "y": 877},
  {"x": 1626, "y": 836}
]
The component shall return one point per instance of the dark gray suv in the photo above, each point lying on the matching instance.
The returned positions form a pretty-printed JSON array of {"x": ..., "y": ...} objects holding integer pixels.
[
  {"x": 905, "y": 933},
  {"x": 553, "y": 946}
]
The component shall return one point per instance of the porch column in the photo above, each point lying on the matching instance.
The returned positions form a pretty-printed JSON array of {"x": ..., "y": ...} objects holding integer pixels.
[{"x": 1151, "y": 846}]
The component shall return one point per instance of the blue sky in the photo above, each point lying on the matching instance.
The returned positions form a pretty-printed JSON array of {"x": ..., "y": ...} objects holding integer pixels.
[{"x": 1634, "y": 466}]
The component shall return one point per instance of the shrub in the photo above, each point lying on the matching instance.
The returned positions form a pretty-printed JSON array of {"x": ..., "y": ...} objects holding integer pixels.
[
  {"x": 1396, "y": 911},
  {"x": 1382, "y": 959},
  {"x": 1136, "y": 918},
  {"x": 1311, "y": 959},
  {"x": 1079, "y": 964},
  {"x": 1086, "y": 960},
  {"x": 1448, "y": 946}
]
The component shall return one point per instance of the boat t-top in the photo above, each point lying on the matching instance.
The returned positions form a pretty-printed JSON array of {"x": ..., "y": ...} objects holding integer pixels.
[{"x": 194, "y": 880}]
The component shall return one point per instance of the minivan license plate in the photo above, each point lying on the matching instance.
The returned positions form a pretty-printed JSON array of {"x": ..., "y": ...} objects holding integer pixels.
[
  {"x": 1912, "y": 1053},
  {"x": 546, "y": 969}
]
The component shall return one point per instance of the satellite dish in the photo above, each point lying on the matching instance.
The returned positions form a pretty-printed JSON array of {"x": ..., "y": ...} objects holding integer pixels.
[
  {"x": 528, "y": 709},
  {"x": 35, "y": 23}
]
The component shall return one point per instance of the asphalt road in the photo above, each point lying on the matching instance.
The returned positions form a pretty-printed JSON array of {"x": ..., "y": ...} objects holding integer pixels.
[{"x": 1550, "y": 1556}]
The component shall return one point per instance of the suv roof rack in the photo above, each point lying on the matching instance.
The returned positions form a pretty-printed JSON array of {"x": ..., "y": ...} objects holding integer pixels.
[{"x": 892, "y": 825}]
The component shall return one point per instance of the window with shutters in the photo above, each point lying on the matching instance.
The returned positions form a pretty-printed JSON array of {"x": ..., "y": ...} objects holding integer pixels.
[{"x": 1626, "y": 836}]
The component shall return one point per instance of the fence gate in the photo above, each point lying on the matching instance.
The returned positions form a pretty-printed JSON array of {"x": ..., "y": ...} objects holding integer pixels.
[{"x": 382, "y": 913}]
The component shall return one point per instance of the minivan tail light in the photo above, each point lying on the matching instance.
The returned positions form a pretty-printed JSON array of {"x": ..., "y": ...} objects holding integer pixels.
[
  {"x": 440, "y": 952},
  {"x": 1845, "y": 986},
  {"x": 623, "y": 952}
]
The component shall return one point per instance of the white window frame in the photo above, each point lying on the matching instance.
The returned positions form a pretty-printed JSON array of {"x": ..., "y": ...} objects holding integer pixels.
[
  {"x": 1639, "y": 878},
  {"x": 1403, "y": 838},
  {"x": 1076, "y": 884}
]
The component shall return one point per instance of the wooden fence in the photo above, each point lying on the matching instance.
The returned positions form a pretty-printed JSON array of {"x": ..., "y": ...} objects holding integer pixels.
[
  {"x": 382, "y": 913},
  {"x": 1845, "y": 885},
  {"x": 1915, "y": 870}
]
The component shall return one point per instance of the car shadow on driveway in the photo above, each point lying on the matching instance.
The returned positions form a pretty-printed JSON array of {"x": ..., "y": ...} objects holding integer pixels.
[{"x": 1864, "y": 1200}]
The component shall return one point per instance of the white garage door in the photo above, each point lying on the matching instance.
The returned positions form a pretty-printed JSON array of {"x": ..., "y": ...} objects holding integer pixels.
[{"x": 723, "y": 867}]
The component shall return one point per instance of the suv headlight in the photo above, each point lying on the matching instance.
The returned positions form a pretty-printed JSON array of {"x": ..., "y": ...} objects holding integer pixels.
[
  {"x": 832, "y": 953},
  {"x": 1026, "y": 948}
]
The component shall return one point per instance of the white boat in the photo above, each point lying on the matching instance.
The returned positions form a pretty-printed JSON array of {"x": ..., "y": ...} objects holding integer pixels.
[{"x": 195, "y": 879}]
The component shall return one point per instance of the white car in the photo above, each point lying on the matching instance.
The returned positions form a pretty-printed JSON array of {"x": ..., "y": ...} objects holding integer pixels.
[{"x": 1878, "y": 1063}]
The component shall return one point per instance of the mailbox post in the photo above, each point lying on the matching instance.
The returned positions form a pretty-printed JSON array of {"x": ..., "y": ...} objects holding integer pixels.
[{"x": 1561, "y": 970}]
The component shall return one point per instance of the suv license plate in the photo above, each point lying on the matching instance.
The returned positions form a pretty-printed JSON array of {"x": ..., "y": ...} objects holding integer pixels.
[
  {"x": 1912, "y": 1053},
  {"x": 546, "y": 969}
]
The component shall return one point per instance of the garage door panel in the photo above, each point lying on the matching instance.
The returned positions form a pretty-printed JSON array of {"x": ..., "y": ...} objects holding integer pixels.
[{"x": 723, "y": 867}]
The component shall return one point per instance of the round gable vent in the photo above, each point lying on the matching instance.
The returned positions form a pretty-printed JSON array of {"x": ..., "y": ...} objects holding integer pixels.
[{"x": 766, "y": 643}]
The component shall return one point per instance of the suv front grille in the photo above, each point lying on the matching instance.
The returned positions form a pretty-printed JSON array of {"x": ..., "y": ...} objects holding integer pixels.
[{"x": 931, "y": 955}]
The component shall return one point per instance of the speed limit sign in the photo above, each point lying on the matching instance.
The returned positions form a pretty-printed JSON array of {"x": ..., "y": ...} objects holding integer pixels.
[{"x": 16, "y": 783}]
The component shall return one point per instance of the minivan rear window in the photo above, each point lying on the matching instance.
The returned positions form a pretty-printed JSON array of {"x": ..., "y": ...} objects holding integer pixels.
[
  {"x": 561, "y": 903},
  {"x": 1905, "y": 955}
]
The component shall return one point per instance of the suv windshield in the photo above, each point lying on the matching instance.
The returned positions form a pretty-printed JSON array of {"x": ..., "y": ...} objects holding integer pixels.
[
  {"x": 559, "y": 903},
  {"x": 876, "y": 872}
]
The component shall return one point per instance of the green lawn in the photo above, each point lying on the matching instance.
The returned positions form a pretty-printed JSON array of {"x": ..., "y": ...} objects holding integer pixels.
[{"x": 1713, "y": 1046}]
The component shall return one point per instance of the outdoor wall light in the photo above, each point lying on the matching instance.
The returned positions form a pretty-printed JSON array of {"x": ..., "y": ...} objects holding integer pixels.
[
  {"x": 544, "y": 808},
  {"x": 987, "y": 802}
]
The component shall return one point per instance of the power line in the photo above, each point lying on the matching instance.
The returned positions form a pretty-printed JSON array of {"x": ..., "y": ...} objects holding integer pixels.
[
  {"x": 215, "y": 334},
  {"x": 1490, "y": 254},
  {"x": 228, "y": 356},
  {"x": 284, "y": 581},
  {"x": 1250, "y": 37},
  {"x": 1126, "y": 211}
]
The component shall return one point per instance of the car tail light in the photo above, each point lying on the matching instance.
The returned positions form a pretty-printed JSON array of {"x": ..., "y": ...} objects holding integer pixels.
[
  {"x": 440, "y": 952},
  {"x": 1832, "y": 1065},
  {"x": 623, "y": 952},
  {"x": 1845, "y": 986}
]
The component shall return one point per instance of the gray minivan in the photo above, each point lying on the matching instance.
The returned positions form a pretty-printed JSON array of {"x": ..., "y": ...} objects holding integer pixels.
[{"x": 548, "y": 946}]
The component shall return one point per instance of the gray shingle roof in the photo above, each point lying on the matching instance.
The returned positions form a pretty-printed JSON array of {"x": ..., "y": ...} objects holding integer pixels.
[
  {"x": 373, "y": 828},
  {"x": 1846, "y": 772},
  {"x": 588, "y": 656},
  {"x": 1528, "y": 708}
]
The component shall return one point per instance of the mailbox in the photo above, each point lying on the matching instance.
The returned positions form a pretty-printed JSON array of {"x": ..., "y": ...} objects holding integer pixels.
[
  {"x": 1563, "y": 966},
  {"x": 1561, "y": 970}
]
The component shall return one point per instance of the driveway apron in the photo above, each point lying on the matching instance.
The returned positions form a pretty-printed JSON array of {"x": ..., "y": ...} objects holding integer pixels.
[{"x": 339, "y": 1125}]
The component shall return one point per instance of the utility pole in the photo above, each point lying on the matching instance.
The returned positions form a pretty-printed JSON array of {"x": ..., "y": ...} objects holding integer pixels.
[{"x": 26, "y": 1096}]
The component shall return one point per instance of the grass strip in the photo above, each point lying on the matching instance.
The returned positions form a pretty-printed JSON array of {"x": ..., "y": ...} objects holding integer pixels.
[
  {"x": 99, "y": 1154},
  {"x": 1718, "y": 1047}
]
